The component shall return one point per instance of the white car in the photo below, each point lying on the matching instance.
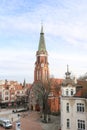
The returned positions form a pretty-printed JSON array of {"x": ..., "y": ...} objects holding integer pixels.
[{"x": 6, "y": 123}]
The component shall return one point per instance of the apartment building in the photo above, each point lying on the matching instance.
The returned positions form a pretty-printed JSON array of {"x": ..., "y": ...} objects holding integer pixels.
[
  {"x": 73, "y": 105},
  {"x": 73, "y": 113},
  {"x": 11, "y": 93}
]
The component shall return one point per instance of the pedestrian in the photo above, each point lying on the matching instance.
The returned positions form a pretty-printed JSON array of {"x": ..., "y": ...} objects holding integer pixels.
[{"x": 12, "y": 119}]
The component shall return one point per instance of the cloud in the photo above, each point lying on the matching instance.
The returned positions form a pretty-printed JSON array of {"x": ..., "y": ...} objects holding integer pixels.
[
  {"x": 65, "y": 27},
  {"x": 16, "y": 63}
]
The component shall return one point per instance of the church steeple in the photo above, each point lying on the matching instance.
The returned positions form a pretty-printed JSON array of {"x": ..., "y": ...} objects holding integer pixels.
[
  {"x": 41, "y": 72},
  {"x": 42, "y": 46}
]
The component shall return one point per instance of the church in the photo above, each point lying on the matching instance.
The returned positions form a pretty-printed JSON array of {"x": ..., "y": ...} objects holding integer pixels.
[{"x": 42, "y": 74}]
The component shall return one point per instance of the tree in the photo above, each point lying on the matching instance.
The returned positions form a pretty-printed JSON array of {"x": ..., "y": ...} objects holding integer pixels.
[
  {"x": 42, "y": 93},
  {"x": 83, "y": 77},
  {"x": 27, "y": 97},
  {"x": 42, "y": 90}
]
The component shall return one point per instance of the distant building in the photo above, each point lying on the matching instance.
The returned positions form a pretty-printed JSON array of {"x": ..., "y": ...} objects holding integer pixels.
[
  {"x": 54, "y": 95},
  {"x": 11, "y": 93}
]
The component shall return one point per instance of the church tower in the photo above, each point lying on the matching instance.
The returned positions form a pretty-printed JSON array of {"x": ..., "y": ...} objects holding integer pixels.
[{"x": 41, "y": 72}]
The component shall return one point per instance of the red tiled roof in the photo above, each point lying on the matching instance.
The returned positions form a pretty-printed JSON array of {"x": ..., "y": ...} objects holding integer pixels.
[
  {"x": 82, "y": 92},
  {"x": 58, "y": 81},
  {"x": 78, "y": 93},
  {"x": 18, "y": 87}
]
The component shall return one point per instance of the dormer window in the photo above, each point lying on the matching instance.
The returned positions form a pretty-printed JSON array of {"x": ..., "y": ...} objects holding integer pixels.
[{"x": 71, "y": 92}]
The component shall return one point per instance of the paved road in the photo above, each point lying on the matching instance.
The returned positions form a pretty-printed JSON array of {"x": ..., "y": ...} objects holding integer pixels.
[
  {"x": 9, "y": 115},
  {"x": 32, "y": 121},
  {"x": 5, "y": 111},
  {"x": 28, "y": 121},
  {"x": 35, "y": 121}
]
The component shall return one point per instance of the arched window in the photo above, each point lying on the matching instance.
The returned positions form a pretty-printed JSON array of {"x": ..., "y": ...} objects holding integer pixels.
[
  {"x": 68, "y": 123},
  {"x": 67, "y": 107},
  {"x": 67, "y": 93},
  {"x": 71, "y": 92}
]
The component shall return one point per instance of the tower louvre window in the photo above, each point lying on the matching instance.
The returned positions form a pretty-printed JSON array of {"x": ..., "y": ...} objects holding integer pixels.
[
  {"x": 38, "y": 59},
  {"x": 37, "y": 75},
  {"x": 45, "y": 59}
]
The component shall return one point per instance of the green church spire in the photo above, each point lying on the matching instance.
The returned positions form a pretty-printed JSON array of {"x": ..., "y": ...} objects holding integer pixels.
[{"x": 42, "y": 46}]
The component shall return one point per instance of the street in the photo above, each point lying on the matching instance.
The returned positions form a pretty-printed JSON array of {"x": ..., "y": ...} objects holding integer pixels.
[{"x": 32, "y": 121}]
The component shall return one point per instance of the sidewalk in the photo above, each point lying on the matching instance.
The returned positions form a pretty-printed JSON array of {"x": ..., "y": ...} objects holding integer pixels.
[
  {"x": 53, "y": 125},
  {"x": 33, "y": 122}
]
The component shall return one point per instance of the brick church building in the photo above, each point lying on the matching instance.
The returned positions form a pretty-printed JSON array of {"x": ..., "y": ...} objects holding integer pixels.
[{"x": 42, "y": 74}]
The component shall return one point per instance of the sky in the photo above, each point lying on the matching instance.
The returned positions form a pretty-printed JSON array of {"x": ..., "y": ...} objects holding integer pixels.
[{"x": 65, "y": 30}]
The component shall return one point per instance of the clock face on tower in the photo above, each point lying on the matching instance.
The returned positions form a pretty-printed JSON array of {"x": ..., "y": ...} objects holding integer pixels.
[{"x": 42, "y": 64}]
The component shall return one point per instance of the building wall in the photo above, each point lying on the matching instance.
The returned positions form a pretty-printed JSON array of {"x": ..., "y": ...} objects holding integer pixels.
[
  {"x": 73, "y": 115},
  {"x": 54, "y": 104},
  {"x": 9, "y": 91}
]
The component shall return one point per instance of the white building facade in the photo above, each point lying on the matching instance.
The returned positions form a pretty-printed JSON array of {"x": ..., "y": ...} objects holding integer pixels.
[
  {"x": 73, "y": 113},
  {"x": 73, "y": 109}
]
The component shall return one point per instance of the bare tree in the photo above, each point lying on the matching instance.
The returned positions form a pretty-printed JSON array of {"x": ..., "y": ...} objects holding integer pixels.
[{"x": 42, "y": 90}]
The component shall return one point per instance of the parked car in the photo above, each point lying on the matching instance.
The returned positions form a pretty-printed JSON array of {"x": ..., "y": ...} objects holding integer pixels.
[
  {"x": 6, "y": 123},
  {"x": 19, "y": 110}
]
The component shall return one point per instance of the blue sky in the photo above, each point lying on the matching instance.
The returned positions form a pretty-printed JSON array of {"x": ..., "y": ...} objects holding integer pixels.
[{"x": 65, "y": 28}]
